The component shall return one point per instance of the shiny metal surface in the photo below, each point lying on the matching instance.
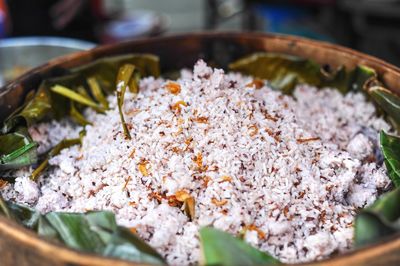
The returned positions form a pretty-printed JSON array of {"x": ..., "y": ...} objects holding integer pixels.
[{"x": 29, "y": 52}]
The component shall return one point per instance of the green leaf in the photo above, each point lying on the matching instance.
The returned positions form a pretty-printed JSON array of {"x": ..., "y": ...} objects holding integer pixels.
[
  {"x": 220, "y": 248},
  {"x": 75, "y": 232},
  {"x": 74, "y": 96},
  {"x": 24, "y": 215},
  {"x": 125, "y": 245},
  {"x": 17, "y": 150},
  {"x": 104, "y": 220},
  {"x": 65, "y": 143},
  {"x": 345, "y": 81},
  {"x": 390, "y": 147},
  {"x": 369, "y": 228},
  {"x": 95, "y": 232},
  {"x": 387, "y": 100},
  {"x": 361, "y": 77},
  {"x": 379, "y": 220},
  {"x": 46, "y": 230}
]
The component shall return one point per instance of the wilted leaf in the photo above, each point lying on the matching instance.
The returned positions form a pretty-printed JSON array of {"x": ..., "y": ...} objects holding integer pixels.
[
  {"x": 105, "y": 69},
  {"x": 390, "y": 146},
  {"x": 345, "y": 81},
  {"x": 220, "y": 248},
  {"x": 189, "y": 206},
  {"x": 4, "y": 210},
  {"x": 283, "y": 72},
  {"x": 123, "y": 80},
  {"x": 74, "y": 96},
  {"x": 387, "y": 100},
  {"x": 97, "y": 92},
  {"x": 379, "y": 220},
  {"x": 77, "y": 116},
  {"x": 34, "y": 110}
]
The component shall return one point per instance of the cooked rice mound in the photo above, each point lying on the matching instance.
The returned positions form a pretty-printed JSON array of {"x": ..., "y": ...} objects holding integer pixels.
[{"x": 287, "y": 172}]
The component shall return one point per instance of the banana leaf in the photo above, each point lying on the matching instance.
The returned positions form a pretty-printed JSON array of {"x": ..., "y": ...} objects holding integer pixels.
[
  {"x": 97, "y": 92},
  {"x": 95, "y": 232},
  {"x": 390, "y": 147},
  {"x": 34, "y": 110},
  {"x": 284, "y": 72},
  {"x": 345, "y": 81},
  {"x": 125, "y": 75},
  {"x": 75, "y": 231},
  {"x": 387, "y": 101},
  {"x": 378, "y": 221},
  {"x": 105, "y": 70},
  {"x": 77, "y": 97},
  {"x": 220, "y": 248},
  {"x": 77, "y": 116},
  {"x": 24, "y": 215},
  {"x": 17, "y": 150}
]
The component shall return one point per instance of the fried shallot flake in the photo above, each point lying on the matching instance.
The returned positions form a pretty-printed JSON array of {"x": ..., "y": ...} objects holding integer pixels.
[
  {"x": 126, "y": 183},
  {"x": 206, "y": 180},
  {"x": 3, "y": 183},
  {"x": 256, "y": 83},
  {"x": 269, "y": 116},
  {"x": 173, "y": 87},
  {"x": 177, "y": 106},
  {"x": 219, "y": 202},
  {"x": 180, "y": 121},
  {"x": 132, "y": 154},
  {"x": 182, "y": 195},
  {"x": 253, "y": 130},
  {"x": 143, "y": 167},
  {"x": 132, "y": 204},
  {"x": 200, "y": 119},
  {"x": 225, "y": 178},
  {"x": 307, "y": 140},
  {"x": 198, "y": 159},
  {"x": 253, "y": 227},
  {"x": 189, "y": 207},
  {"x": 273, "y": 134}
]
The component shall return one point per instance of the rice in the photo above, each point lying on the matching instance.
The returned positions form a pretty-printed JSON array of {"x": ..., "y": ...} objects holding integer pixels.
[{"x": 287, "y": 172}]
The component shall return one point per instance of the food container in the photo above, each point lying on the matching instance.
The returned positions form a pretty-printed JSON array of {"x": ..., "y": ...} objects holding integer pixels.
[
  {"x": 19, "y": 246},
  {"x": 23, "y": 53}
]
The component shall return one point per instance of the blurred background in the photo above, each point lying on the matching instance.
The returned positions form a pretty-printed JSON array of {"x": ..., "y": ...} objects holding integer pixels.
[{"x": 371, "y": 26}]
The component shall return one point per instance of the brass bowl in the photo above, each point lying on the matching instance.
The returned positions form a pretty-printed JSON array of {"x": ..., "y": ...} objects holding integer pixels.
[{"x": 20, "y": 246}]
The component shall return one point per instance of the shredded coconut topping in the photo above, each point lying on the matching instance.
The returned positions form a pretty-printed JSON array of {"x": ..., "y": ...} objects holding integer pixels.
[{"x": 289, "y": 172}]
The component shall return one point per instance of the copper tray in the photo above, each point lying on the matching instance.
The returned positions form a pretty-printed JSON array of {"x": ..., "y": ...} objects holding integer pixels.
[{"x": 19, "y": 246}]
